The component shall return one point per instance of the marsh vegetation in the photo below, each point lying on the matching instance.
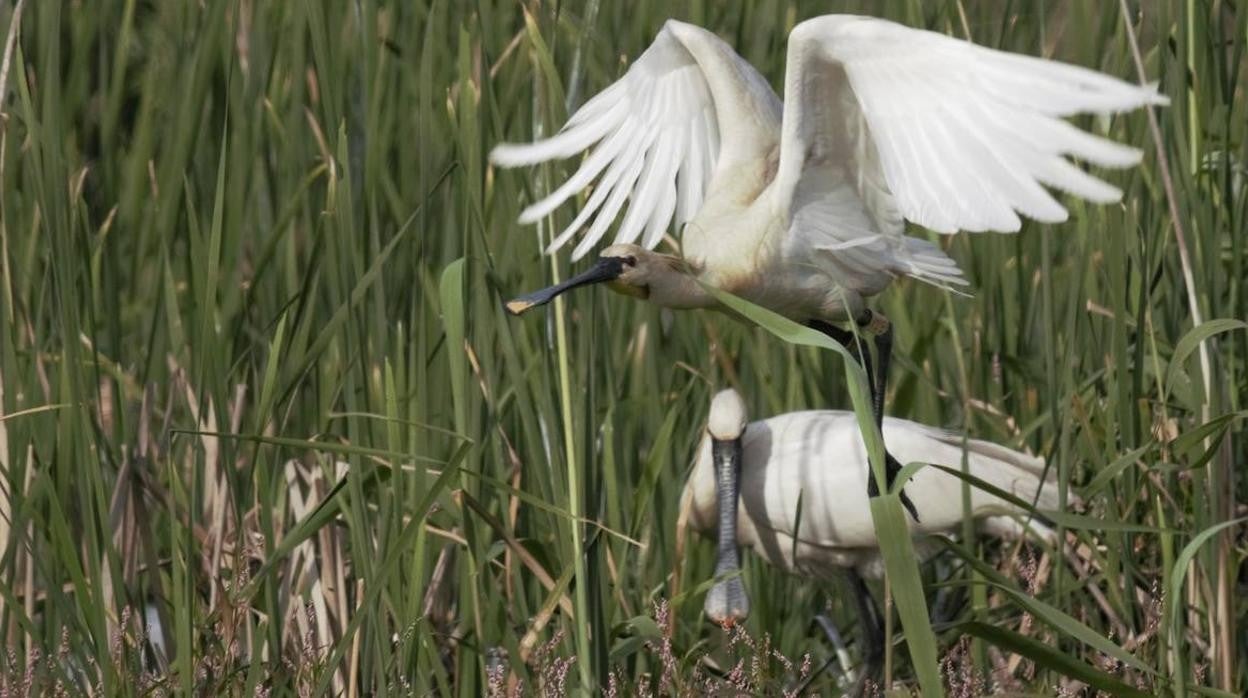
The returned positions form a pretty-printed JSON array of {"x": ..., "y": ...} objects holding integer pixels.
[{"x": 267, "y": 426}]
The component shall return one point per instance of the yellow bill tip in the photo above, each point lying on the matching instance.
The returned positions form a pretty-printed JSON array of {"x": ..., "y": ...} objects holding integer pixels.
[{"x": 518, "y": 306}]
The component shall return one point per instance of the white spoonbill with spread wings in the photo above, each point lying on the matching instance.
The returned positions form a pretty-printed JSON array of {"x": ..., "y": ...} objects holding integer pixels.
[
  {"x": 800, "y": 206},
  {"x": 817, "y": 457}
]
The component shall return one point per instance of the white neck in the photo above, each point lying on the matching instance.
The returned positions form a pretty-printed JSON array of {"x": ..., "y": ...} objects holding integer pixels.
[{"x": 677, "y": 288}]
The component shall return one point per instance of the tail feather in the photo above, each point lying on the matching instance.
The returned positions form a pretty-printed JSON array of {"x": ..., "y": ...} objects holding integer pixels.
[
  {"x": 1011, "y": 528},
  {"x": 1026, "y": 476},
  {"x": 926, "y": 262}
]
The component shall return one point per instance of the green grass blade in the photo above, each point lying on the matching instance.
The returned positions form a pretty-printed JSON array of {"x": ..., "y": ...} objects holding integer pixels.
[
  {"x": 1054, "y": 659},
  {"x": 890, "y": 520}
]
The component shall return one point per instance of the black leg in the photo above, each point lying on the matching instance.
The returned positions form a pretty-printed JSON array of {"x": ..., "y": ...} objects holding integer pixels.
[
  {"x": 877, "y": 381},
  {"x": 871, "y": 645},
  {"x": 830, "y": 631},
  {"x": 948, "y": 604},
  {"x": 884, "y": 355},
  {"x": 872, "y": 624},
  {"x": 869, "y": 616},
  {"x": 891, "y": 469},
  {"x": 847, "y": 339},
  {"x": 833, "y": 634},
  {"x": 876, "y": 325},
  {"x": 884, "y": 351}
]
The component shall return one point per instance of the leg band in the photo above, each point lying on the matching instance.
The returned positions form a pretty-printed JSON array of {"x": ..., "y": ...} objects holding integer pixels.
[{"x": 875, "y": 324}]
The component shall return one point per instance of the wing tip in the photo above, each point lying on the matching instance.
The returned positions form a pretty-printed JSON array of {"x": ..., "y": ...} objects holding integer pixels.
[
  {"x": 1154, "y": 96},
  {"x": 528, "y": 216},
  {"x": 1128, "y": 156},
  {"x": 1140, "y": 95},
  {"x": 510, "y": 155},
  {"x": 1059, "y": 216}
]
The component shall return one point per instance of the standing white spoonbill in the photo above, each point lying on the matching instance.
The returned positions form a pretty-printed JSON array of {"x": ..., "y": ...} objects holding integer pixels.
[
  {"x": 801, "y": 206},
  {"x": 817, "y": 457}
]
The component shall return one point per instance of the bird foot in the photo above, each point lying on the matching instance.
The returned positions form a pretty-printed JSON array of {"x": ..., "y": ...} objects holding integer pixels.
[{"x": 891, "y": 470}]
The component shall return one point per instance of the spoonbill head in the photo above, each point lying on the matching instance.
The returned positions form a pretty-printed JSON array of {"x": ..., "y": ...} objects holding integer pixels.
[{"x": 631, "y": 270}]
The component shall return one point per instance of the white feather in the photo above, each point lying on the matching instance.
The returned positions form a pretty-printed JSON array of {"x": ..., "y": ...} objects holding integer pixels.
[
  {"x": 652, "y": 137},
  {"x": 818, "y": 457},
  {"x": 881, "y": 124},
  {"x": 965, "y": 134}
]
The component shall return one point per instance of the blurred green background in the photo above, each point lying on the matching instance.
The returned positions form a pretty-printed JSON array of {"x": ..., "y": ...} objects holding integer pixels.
[{"x": 262, "y": 431}]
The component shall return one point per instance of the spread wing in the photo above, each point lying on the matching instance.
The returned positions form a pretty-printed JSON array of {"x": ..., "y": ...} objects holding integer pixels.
[
  {"x": 944, "y": 133},
  {"x": 652, "y": 138}
]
